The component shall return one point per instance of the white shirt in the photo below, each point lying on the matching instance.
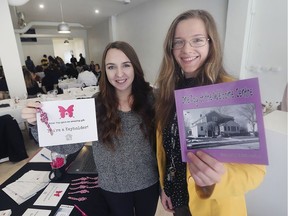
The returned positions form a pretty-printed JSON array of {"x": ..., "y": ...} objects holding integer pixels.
[{"x": 88, "y": 78}]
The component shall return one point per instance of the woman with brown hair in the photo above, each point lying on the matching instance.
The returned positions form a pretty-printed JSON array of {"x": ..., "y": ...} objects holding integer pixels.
[
  {"x": 31, "y": 84},
  {"x": 125, "y": 152}
]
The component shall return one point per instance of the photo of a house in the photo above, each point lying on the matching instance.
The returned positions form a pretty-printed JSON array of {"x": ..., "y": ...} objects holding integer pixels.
[{"x": 225, "y": 127}]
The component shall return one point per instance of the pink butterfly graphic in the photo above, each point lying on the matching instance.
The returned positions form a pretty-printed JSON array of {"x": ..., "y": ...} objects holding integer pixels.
[
  {"x": 69, "y": 111},
  {"x": 57, "y": 193}
]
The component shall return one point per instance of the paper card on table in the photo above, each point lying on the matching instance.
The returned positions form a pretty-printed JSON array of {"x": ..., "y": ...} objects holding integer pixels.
[
  {"x": 71, "y": 121},
  {"x": 36, "y": 212},
  {"x": 43, "y": 156},
  {"x": 224, "y": 120},
  {"x": 52, "y": 194},
  {"x": 64, "y": 210}
]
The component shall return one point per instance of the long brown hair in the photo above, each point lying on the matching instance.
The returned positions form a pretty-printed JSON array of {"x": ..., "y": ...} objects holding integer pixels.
[
  {"x": 170, "y": 74},
  {"x": 29, "y": 82},
  {"x": 109, "y": 122}
]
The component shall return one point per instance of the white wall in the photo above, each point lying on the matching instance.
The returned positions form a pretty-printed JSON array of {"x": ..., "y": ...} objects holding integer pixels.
[
  {"x": 145, "y": 27},
  {"x": 36, "y": 51},
  {"x": 263, "y": 53},
  {"x": 66, "y": 50},
  {"x": 98, "y": 38},
  {"x": 268, "y": 48},
  {"x": 45, "y": 45}
]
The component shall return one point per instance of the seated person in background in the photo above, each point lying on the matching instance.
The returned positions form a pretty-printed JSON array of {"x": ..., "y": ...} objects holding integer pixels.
[
  {"x": 79, "y": 68},
  {"x": 31, "y": 84},
  {"x": 92, "y": 67},
  {"x": 61, "y": 65},
  {"x": 44, "y": 62},
  {"x": 97, "y": 72},
  {"x": 284, "y": 103},
  {"x": 3, "y": 85},
  {"x": 86, "y": 77},
  {"x": 40, "y": 72},
  {"x": 50, "y": 81},
  {"x": 71, "y": 71}
]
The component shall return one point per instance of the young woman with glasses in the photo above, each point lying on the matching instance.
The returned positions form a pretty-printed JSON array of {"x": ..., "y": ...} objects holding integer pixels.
[{"x": 204, "y": 186}]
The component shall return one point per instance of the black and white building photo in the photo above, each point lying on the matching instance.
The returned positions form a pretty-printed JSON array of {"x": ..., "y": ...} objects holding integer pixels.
[{"x": 225, "y": 127}]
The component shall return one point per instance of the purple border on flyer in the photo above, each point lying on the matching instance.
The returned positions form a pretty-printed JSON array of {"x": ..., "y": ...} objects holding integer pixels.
[{"x": 224, "y": 120}]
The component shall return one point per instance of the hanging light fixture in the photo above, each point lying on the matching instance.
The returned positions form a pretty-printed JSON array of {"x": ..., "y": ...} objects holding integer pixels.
[
  {"x": 63, "y": 27},
  {"x": 17, "y": 2}
]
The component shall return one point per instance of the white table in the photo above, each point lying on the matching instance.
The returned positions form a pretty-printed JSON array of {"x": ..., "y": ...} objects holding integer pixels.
[
  {"x": 15, "y": 108},
  {"x": 270, "y": 198},
  {"x": 69, "y": 83}
]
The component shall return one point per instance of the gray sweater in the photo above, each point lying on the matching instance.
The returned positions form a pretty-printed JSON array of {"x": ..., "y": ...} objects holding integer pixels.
[{"x": 130, "y": 166}]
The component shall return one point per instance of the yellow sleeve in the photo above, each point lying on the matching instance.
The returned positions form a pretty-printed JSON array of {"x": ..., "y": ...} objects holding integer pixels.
[
  {"x": 161, "y": 157},
  {"x": 238, "y": 180}
]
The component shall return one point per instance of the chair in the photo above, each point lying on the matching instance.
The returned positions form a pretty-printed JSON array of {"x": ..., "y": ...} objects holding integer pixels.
[
  {"x": 4, "y": 95},
  {"x": 11, "y": 140}
]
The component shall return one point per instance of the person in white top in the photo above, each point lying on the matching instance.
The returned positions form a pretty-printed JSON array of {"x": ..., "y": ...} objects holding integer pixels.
[{"x": 86, "y": 77}]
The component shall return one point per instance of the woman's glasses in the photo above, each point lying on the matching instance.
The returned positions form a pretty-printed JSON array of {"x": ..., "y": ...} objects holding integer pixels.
[{"x": 194, "y": 42}]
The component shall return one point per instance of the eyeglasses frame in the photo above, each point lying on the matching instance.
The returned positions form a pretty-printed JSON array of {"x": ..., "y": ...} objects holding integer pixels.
[{"x": 185, "y": 41}]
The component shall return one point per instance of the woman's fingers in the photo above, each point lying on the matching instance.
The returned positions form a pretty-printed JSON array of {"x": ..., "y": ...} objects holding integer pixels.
[
  {"x": 205, "y": 169},
  {"x": 29, "y": 112},
  {"x": 166, "y": 202}
]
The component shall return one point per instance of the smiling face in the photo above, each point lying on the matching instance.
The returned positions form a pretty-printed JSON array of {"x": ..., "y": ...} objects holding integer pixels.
[
  {"x": 190, "y": 58},
  {"x": 119, "y": 70}
]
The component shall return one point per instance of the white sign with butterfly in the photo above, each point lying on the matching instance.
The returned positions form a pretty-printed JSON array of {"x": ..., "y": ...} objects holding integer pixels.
[{"x": 67, "y": 122}]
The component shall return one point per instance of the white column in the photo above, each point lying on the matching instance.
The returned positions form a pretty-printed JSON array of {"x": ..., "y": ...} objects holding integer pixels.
[
  {"x": 9, "y": 53},
  {"x": 112, "y": 28},
  {"x": 239, "y": 18}
]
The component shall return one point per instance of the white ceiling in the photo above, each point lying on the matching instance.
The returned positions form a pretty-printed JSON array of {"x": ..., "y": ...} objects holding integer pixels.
[{"x": 74, "y": 11}]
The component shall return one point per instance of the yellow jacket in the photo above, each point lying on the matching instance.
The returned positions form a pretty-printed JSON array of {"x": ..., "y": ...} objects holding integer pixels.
[{"x": 228, "y": 196}]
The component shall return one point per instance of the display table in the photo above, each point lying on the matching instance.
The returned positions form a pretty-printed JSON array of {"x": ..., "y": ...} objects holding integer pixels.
[
  {"x": 270, "y": 198},
  {"x": 94, "y": 205}
]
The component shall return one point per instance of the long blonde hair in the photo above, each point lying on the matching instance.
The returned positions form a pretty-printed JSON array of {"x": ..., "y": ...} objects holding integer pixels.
[{"x": 170, "y": 74}]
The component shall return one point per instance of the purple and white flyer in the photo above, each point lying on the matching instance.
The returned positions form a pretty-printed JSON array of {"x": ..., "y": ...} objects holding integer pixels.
[{"x": 224, "y": 120}]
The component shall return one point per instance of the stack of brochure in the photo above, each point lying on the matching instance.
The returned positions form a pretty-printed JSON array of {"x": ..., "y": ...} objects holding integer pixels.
[{"x": 27, "y": 186}]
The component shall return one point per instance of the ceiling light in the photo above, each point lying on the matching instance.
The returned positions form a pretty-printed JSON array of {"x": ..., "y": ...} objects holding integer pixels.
[
  {"x": 41, "y": 6},
  {"x": 96, "y": 11},
  {"x": 127, "y": 1},
  {"x": 63, "y": 27}
]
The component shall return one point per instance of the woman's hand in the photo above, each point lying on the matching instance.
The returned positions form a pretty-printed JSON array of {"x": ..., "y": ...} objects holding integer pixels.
[
  {"x": 166, "y": 202},
  {"x": 205, "y": 170},
  {"x": 29, "y": 112}
]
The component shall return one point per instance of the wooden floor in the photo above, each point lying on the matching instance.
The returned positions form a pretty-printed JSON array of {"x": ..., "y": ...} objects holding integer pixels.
[{"x": 8, "y": 168}]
